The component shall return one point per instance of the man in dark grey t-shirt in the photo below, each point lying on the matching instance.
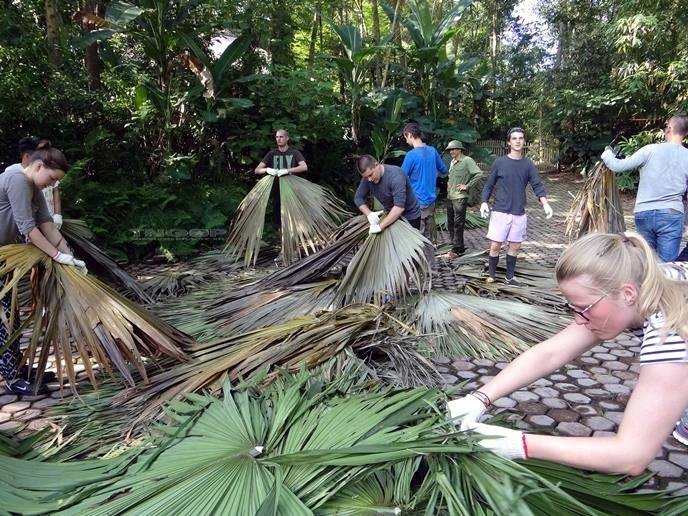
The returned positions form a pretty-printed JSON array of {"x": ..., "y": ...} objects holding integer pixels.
[{"x": 392, "y": 188}]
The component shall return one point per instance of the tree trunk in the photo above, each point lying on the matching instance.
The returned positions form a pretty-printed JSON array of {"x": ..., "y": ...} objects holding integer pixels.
[
  {"x": 395, "y": 33},
  {"x": 92, "y": 60},
  {"x": 314, "y": 34},
  {"x": 52, "y": 21}
]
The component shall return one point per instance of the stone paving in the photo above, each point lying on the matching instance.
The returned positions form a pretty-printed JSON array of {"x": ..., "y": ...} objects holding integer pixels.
[{"x": 586, "y": 397}]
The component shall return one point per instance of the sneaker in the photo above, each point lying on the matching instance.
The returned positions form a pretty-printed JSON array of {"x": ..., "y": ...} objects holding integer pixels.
[
  {"x": 515, "y": 283},
  {"x": 23, "y": 388},
  {"x": 681, "y": 433},
  {"x": 489, "y": 279},
  {"x": 48, "y": 376}
]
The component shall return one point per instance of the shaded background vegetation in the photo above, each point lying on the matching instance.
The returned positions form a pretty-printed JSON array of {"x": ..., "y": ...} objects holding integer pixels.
[{"x": 158, "y": 150}]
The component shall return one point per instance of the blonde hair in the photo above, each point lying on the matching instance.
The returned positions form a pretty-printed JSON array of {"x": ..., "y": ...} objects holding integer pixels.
[{"x": 610, "y": 260}]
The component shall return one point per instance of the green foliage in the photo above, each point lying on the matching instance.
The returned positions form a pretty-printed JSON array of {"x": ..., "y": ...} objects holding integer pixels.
[{"x": 132, "y": 220}]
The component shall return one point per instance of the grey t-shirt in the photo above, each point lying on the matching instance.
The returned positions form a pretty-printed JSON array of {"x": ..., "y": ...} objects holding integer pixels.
[
  {"x": 663, "y": 175},
  {"x": 393, "y": 189},
  {"x": 22, "y": 206}
]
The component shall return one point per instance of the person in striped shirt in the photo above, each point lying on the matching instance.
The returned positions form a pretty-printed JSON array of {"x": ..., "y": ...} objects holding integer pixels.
[{"x": 612, "y": 283}]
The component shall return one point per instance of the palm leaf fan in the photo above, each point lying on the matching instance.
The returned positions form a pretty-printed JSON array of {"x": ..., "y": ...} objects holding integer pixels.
[
  {"x": 301, "y": 447},
  {"x": 246, "y": 230},
  {"x": 105, "y": 327},
  {"x": 309, "y": 213},
  {"x": 597, "y": 205},
  {"x": 467, "y": 326},
  {"x": 386, "y": 264},
  {"x": 79, "y": 238},
  {"x": 342, "y": 244}
]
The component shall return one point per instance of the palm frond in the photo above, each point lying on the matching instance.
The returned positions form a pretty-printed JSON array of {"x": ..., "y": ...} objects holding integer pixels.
[
  {"x": 79, "y": 237},
  {"x": 300, "y": 446},
  {"x": 385, "y": 266},
  {"x": 104, "y": 326},
  {"x": 309, "y": 214},
  {"x": 246, "y": 230},
  {"x": 597, "y": 206},
  {"x": 461, "y": 325}
]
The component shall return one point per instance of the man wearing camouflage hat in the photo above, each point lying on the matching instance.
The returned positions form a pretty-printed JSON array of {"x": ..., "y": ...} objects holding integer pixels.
[{"x": 463, "y": 174}]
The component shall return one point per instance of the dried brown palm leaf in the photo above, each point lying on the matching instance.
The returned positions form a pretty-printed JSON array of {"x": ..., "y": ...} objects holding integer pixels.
[
  {"x": 76, "y": 312},
  {"x": 301, "y": 342},
  {"x": 246, "y": 231},
  {"x": 79, "y": 237},
  {"x": 309, "y": 214},
  {"x": 597, "y": 205},
  {"x": 385, "y": 265}
]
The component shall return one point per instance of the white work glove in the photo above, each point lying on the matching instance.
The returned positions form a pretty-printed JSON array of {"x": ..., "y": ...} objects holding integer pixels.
[
  {"x": 374, "y": 217},
  {"x": 282, "y": 172},
  {"x": 57, "y": 220},
  {"x": 271, "y": 171},
  {"x": 374, "y": 229},
  {"x": 506, "y": 443},
  {"x": 548, "y": 210},
  {"x": 64, "y": 259},
  {"x": 81, "y": 265},
  {"x": 466, "y": 410},
  {"x": 607, "y": 154},
  {"x": 484, "y": 210}
]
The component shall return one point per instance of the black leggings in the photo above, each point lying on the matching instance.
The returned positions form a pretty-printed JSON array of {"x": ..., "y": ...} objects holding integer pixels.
[{"x": 9, "y": 359}]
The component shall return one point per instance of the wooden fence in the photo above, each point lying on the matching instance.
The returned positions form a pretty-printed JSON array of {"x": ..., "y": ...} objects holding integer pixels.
[{"x": 542, "y": 152}]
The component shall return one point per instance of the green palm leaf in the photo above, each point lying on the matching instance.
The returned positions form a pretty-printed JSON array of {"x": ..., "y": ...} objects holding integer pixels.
[{"x": 385, "y": 265}]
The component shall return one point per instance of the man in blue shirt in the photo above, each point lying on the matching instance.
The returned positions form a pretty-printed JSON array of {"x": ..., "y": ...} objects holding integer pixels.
[{"x": 423, "y": 164}]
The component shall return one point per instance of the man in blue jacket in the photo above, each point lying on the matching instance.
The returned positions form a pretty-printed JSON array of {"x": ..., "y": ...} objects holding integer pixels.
[{"x": 423, "y": 164}]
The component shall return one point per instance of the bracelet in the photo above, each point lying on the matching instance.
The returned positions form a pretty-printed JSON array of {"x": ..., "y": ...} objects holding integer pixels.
[
  {"x": 484, "y": 398},
  {"x": 525, "y": 445}
]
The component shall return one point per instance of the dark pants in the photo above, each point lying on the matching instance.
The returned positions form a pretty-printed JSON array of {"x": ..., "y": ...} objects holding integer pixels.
[
  {"x": 276, "y": 205},
  {"x": 456, "y": 222},
  {"x": 415, "y": 223},
  {"x": 9, "y": 359}
]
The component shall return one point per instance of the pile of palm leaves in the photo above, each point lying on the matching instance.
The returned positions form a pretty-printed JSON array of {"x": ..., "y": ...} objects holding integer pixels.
[
  {"x": 597, "y": 206},
  {"x": 309, "y": 214},
  {"x": 73, "y": 310},
  {"x": 301, "y": 447}
]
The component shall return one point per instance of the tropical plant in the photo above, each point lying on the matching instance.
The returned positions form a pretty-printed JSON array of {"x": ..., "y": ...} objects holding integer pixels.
[
  {"x": 386, "y": 265},
  {"x": 301, "y": 447},
  {"x": 72, "y": 309}
]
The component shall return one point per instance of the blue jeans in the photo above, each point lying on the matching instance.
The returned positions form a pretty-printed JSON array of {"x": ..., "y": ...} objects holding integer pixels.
[{"x": 663, "y": 230}]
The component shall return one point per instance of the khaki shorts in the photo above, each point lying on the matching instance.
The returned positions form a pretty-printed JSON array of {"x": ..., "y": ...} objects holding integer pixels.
[{"x": 505, "y": 227}]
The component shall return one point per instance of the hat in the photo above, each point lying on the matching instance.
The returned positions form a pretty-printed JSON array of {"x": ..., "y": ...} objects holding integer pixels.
[{"x": 455, "y": 144}]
